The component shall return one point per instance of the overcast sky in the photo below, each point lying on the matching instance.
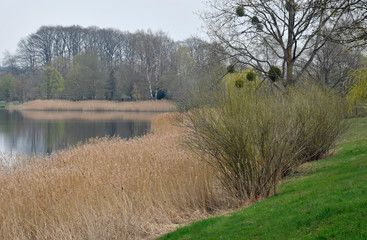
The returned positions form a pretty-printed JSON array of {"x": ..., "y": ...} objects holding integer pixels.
[{"x": 20, "y": 18}]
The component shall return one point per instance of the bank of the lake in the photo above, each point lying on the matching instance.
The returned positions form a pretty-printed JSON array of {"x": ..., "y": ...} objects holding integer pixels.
[
  {"x": 328, "y": 201},
  {"x": 96, "y": 105}
]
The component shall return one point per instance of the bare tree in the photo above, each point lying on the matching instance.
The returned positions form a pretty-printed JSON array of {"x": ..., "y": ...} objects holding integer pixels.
[
  {"x": 10, "y": 62},
  {"x": 74, "y": 40},
  {"x": 109, "y": 45},
  {"x": 44, "y": 43},
  {"x": 27, "y": 55},
  {"x": 263, "y": 33},
  {"x": 154, "y": 52},
  {"x": 332, "y": 65}
]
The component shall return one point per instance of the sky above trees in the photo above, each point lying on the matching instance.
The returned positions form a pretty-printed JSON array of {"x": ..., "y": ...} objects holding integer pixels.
[{"x": 19, "y": 18}]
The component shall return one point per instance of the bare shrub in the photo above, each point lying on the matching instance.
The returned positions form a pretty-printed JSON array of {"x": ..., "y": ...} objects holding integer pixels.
[
  {"x": 322, "y": 116},
  {"x": 252, "y": 139}
]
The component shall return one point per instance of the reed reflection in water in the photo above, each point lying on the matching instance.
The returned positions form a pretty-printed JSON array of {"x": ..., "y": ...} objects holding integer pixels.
[{"x": 41, "y": 132}]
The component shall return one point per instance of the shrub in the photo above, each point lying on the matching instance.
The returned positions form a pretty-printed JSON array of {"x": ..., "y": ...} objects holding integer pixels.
[
  {"x": 357, "y": 92},
  {"x": 321, "y": 115},
  {"x": 252, "y": 140},
  {"x": 5, "y": 86}
]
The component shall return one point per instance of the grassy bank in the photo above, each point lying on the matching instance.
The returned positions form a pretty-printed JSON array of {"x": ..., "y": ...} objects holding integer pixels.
[
  {"x": 97, "y": 105},
  {"x": 109, "y": 189},
  {"x": 329, "y": 201}
]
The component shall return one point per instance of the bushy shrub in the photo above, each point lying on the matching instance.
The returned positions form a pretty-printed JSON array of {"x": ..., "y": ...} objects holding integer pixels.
[
  {"x": 321, "y": 114},
  {"x": 253, "y": 140},
  {"x": 357, "y": 92}
]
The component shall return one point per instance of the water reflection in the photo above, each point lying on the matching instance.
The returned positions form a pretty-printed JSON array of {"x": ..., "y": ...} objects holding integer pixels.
[{"x": 33, "y": 132}]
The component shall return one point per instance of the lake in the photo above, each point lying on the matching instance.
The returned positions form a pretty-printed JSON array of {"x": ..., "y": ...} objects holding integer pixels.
[{"x": 42, "y": 132}]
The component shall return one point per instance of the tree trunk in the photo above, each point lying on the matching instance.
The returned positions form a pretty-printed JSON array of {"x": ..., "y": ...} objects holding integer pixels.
[
  {"x": 150, "y": 85},
  {"x": 291, "y": 7}
]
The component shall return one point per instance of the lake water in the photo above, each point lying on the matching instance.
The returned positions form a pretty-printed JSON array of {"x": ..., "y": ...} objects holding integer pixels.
[{"x": 40, "y": 132}]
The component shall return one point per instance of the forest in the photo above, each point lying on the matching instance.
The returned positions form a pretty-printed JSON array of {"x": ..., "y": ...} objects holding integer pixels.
[{"x": 77, "y": 63}]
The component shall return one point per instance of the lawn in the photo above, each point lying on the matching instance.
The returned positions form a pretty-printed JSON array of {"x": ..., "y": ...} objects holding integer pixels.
[{"x": 328, "y": 200}]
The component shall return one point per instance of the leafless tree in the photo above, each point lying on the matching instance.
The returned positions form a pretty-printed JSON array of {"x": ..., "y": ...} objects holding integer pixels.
[
  {"x": 154, "y": 52},
  {"x": 109, "y": 45},
  {"x": 263, "y": 33},
  {"x": 333, "y": 63},
  {"x": 27, "y": 55}
]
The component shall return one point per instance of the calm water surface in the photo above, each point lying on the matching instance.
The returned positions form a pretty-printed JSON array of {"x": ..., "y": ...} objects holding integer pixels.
[{"x": 33, "y": 132}]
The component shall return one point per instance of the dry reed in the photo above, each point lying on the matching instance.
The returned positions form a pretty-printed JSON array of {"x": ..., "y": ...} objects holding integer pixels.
[
  {"x": 109, "y": 189},
  {"x": 97, "y": 105}
]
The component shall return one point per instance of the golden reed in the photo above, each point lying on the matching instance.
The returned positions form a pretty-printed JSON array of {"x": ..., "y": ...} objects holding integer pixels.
[{"x": 109, "y": 189}]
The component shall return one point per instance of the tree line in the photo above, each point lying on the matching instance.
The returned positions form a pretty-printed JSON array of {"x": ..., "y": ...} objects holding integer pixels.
[
  {"x": 283, "y": 42},
  {"x": 79, "y": 63}
]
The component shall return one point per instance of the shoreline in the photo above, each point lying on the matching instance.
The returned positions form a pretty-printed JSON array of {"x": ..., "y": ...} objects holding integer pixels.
[{"x": 160, "y": 106}]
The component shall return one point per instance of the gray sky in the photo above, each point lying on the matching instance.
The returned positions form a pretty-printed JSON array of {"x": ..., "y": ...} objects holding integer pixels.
[{"x": 20, "y": 18}]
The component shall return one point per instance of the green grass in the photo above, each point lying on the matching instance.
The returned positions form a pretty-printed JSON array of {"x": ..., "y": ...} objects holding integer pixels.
[{"x": 328, "y": 202}]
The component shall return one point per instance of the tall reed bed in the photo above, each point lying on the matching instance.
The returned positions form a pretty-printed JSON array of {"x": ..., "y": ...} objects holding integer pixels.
[
  {"x": 98, "y": 105},
  {"x": 109, "y": 189}
]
